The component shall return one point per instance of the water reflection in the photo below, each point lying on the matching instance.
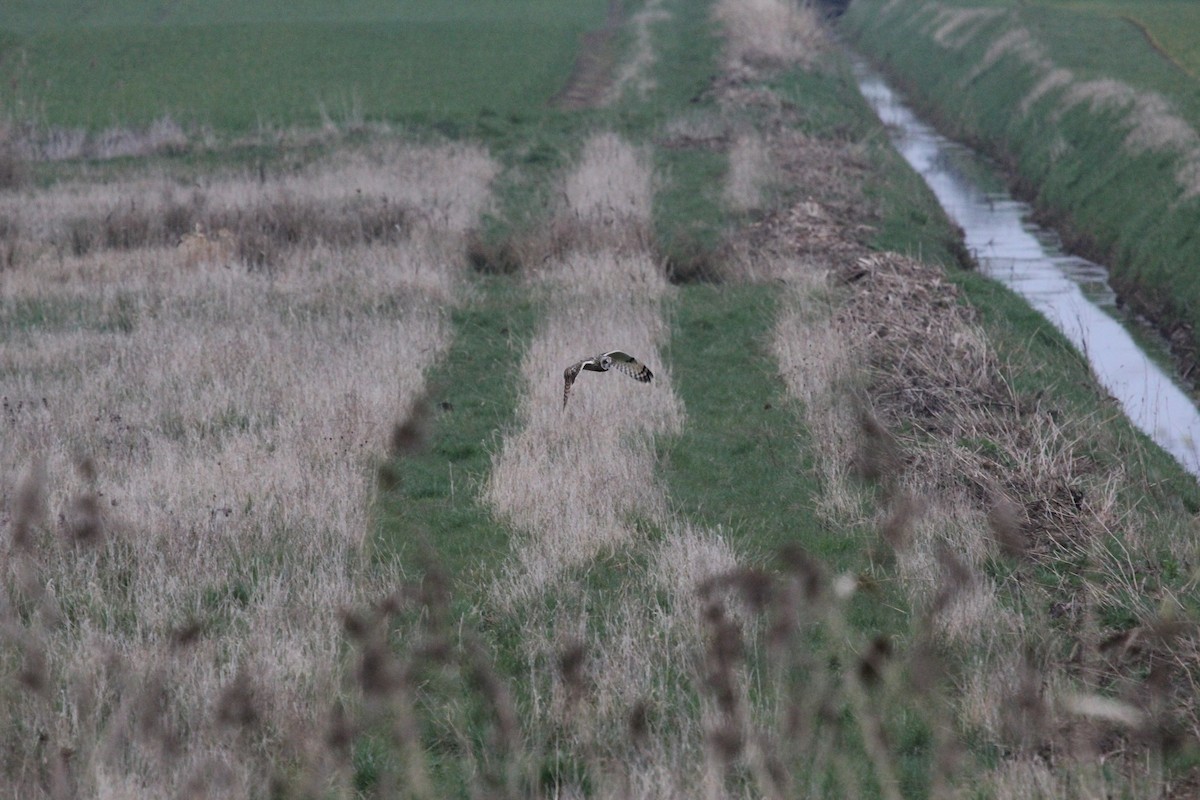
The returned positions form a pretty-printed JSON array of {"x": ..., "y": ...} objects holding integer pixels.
[{"x": 1071, "y": 292}]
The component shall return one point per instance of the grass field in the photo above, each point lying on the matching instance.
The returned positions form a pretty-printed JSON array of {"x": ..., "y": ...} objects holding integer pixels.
[
  {"x": 236, "y": 68},
  {"x": 292, "y": 505},
  {"x": 1167, "y": 24}
]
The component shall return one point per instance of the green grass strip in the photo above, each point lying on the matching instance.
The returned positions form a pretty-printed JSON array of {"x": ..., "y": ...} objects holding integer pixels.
[
  {"x": 434, "y": 494},
  {"x": 743, "y": 464}
]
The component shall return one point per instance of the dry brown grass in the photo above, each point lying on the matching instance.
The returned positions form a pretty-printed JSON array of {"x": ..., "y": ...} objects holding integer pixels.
[
  {"x": 1017, "y": 42},
  {"x": 767, "y": 34},
  {"x": 36, "y": 142},
  {"x": 956, "y": 27},
  {"x": 749, "y": 173},
  {"x": 203, "y": 438},
  {"x": 816, "y": 362},
  {"x": 611, "y": 186},
  {"x": 575, "y": 478},
  {"x": 634, "y": 75},
  {"x": 971, "y": 474},
  {"x": 12, "y": 166},
  {"x": 375, "y": 194},
  {"x": 579, "y": 485}
]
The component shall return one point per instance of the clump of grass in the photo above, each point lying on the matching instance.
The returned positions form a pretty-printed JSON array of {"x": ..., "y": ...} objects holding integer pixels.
[
  {"x": 768, "y": 34},
  {"x": 359, "y": 199},
  {"x": 13, "y": 172}
]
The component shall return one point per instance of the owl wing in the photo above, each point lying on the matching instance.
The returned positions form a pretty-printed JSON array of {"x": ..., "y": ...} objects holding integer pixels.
[
  {"x": 569, "y": 376},
  {"x": 630, "y": 366}
]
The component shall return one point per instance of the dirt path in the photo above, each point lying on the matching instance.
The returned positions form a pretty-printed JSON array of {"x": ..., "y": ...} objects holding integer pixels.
[{"x": 592, "y": 77}]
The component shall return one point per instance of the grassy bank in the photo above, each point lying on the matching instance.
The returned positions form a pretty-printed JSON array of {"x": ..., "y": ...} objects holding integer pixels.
[{"x": 1092, "y": 110}]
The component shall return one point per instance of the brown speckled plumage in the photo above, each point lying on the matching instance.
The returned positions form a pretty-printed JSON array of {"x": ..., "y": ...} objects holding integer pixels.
[{"x": 603, "y": 363}]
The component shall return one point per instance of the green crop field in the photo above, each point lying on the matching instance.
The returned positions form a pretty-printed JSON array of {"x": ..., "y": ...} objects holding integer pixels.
[
  {"x": 237, "y": 66},
  {"x": 1170, "y": 25}
]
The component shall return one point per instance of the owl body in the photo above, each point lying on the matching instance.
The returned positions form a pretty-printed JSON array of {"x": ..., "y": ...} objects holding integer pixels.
[{"x": 603, "y": 363}]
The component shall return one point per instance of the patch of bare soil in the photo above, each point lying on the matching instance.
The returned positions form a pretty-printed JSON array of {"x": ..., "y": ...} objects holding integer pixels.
[
  {"x": 831, "y": 225},
  {"x": 595, "y": 66}
]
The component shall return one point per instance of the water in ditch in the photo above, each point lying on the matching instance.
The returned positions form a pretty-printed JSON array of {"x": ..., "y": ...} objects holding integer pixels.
[{"x": 1071, "y": 292}]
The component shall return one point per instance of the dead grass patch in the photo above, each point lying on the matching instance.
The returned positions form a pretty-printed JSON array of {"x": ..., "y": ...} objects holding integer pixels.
[
  {"x": 12, "y": 167},
  {"x": 380, "y": 193},
  {"x": 203, "y": 441},
  {"x": 37, "y": 142},
  {"x": 816, "y": 363},
  {"x": 749, "y": 172},
  {"x": 1017, "y": 42},
  {"x": 956, "y": 27},
  {"x": 578, "y": 479},
  {"x": 768, "y": 34},
  {"x": 611, "y": 185}
]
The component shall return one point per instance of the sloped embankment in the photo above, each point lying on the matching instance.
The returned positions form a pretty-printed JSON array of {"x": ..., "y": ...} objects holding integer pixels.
[
  {"x": 1003, "y": 519},
  {"x": 1003, "y": 506},
  {"x": 1106, "y": 147}
]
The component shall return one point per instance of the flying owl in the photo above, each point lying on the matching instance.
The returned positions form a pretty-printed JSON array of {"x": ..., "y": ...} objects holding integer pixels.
[{"x": 603, "y": 363}]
